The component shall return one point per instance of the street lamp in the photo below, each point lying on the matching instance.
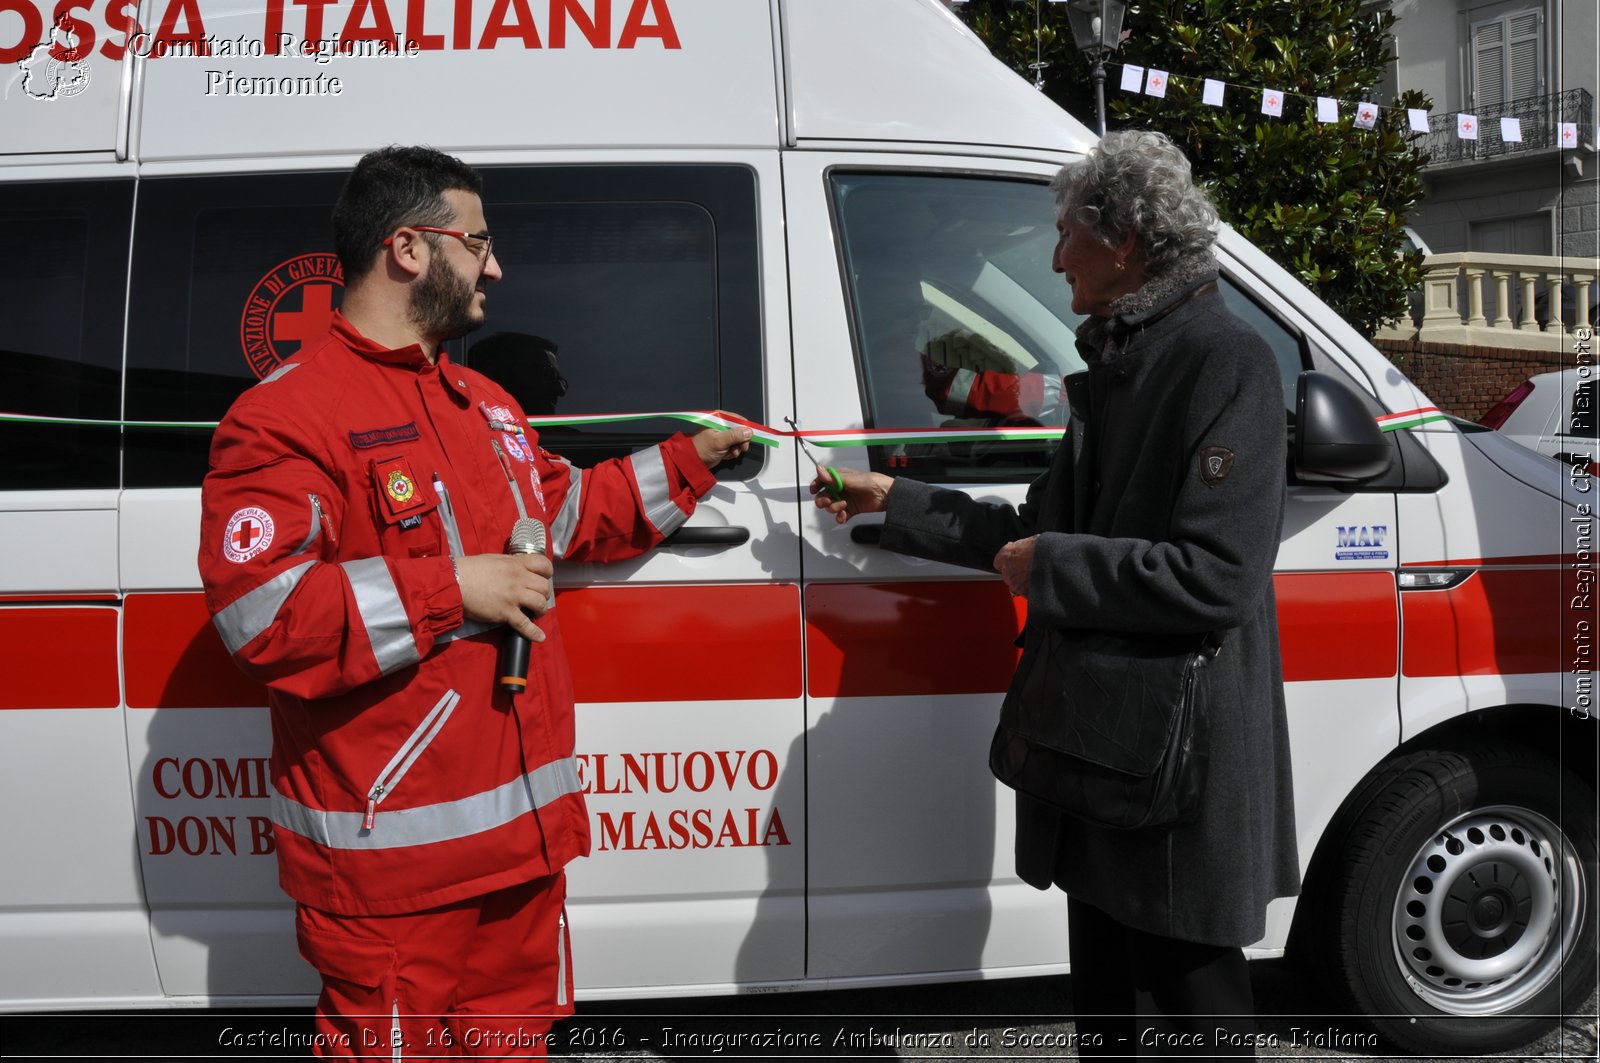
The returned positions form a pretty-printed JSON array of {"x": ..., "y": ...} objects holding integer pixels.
[{"x": 1097, "y": 30}]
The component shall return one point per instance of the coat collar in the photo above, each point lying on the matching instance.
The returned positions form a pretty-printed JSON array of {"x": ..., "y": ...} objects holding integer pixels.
[
  {"x": 410, "y": 357},
  {"x": 1155, "y": 300}
]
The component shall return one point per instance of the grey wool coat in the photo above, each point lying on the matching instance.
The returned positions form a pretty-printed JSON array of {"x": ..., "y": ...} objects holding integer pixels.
[{"x": 1161, "y": 514}]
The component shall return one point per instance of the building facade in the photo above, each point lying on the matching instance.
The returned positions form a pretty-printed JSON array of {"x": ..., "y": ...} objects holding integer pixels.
[{"x": 1537, "y": 61}]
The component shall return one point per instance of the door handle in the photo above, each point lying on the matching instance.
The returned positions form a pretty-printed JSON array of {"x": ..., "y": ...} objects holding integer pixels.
[
  {"x": 866, "y": 534},
  {"x": 718, "y": 537}
]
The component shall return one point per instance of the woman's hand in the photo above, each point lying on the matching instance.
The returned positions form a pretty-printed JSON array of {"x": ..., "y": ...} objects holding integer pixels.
[
  {"x": 864, "y": 492},
  {"x": 1014, "y": 562}
]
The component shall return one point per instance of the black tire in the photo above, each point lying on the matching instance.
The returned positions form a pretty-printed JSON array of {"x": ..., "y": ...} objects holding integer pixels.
[{"x": 1454, "y": 909}]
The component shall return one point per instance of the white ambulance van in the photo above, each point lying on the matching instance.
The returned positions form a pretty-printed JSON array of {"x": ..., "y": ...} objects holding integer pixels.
[{"x": 774, "y": 207}]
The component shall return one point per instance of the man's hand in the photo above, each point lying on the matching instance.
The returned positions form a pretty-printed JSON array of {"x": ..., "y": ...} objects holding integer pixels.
[
  {"x": 716, "y": 445},
  {"x": 864, "y": 492},
  {"x": 497, "y": 588},
  {"x": 1014, "y": 562}
]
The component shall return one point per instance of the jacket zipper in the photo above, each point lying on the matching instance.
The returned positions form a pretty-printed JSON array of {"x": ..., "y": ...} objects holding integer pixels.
[
  {"x": 320, "y": 524},
  {"x": 408, "y": 753},
  {"x": 324, "y": 520},
  {"x": 561, "y": 959}
]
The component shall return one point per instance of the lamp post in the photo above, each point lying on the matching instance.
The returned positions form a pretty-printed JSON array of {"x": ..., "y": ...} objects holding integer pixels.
[
  {"x": 1097, "y": 31},
  {"x": 1038, "y": 64}
]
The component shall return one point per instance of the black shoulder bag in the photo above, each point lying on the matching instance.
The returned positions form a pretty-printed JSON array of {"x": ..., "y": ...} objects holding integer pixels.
[{"x": 1112, "y": 729}]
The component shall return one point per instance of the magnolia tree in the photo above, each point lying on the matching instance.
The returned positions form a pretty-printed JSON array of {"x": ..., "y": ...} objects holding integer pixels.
[{"x": 1327, "y": 200}]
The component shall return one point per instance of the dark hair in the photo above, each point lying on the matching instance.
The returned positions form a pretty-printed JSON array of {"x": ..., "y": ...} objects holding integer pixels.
[{"x": 391, "y": 187}]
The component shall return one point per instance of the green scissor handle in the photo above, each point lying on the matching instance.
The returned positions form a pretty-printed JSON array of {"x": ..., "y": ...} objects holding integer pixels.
[{"x": 835, "y": 489}]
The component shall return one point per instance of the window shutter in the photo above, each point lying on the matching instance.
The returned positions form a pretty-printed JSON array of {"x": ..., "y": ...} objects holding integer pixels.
[
  {"x": 1488, "y": 65},
  {"x": 1524, "y": 55},
  {"x": 1507, "y": 60}
]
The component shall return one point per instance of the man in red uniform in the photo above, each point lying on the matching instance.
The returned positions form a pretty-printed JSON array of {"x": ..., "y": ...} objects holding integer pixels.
[{"x": 354, "y": 551}]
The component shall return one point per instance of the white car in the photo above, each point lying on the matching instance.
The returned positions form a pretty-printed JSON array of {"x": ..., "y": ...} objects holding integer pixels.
[{"x": 1552, "y": 413}]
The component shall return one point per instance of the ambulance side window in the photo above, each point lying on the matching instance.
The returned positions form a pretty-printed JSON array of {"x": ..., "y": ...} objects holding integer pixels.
[
  {"x": 231, "y": 275},
  {"x": 959, "y": 322},
  {"x": 1287, "y": 344},
  {"x": 63, "y": 269},
  {"x": 626, "y": 290}
]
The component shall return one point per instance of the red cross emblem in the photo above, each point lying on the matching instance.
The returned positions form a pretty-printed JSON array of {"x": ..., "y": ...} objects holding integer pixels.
[
  {"x": 1155, "y": 83},
  {"x": 289, "y": 308},
  {"x": 1467, "y": 126},
  {"x": 246, "y": 534},
  {"x": 311, "y": 321},
  {"x": 249, "y": 532},
  {"x": 1566, "y": 134},
  {"x": 1366, "y": 116}
]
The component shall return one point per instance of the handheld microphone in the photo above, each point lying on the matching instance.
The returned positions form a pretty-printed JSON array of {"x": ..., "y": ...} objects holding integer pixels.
[{"x": 527, "y": 537}]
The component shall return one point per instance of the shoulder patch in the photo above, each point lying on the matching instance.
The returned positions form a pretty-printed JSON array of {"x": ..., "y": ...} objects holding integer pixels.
[{"x": 1215, "y": 464}]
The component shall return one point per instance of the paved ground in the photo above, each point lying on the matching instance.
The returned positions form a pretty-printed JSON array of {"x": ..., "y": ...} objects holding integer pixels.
[{"x": 1020, "y": 1019}]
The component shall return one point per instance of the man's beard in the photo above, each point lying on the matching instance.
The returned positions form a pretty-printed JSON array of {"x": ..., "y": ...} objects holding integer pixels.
[{"x": 442, "y": 303}]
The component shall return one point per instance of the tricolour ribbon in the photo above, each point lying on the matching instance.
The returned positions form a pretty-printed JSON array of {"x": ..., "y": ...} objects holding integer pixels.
[
  {"x": 763, "y": 434},
  {"x": 1390, "y": 422}
]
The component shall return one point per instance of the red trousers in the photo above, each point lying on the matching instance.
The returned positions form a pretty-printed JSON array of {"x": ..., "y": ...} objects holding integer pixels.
[{"x": 482, "y": 978}]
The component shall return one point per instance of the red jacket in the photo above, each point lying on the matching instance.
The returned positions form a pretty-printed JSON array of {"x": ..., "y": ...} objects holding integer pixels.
[
  {"x": 339, "y": 487},
  {"x": 1030, "y": 397}
]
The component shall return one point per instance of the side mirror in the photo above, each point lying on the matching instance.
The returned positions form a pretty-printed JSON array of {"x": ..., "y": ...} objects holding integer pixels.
[{"x": 1337, "y": 440}]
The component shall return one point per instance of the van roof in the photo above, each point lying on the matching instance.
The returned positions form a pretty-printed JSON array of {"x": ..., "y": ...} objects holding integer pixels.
[{"x": 243, "y": 79}]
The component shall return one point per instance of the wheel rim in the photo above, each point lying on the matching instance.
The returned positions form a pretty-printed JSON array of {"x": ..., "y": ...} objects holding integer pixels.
[{"x": 1488, "y": 910}]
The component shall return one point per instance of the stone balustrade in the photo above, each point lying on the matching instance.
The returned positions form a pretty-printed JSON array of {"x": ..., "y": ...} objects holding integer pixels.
[{"x": 1485, "y": 299}]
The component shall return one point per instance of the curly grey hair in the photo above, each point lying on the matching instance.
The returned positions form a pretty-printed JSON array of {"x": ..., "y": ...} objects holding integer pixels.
[{"x": 1139, "y": 182}]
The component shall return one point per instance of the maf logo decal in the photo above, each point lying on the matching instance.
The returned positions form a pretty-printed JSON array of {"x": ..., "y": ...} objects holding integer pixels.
[
  {"x": 1362, "y": 542},
  {"x": 288, "y": 308}
]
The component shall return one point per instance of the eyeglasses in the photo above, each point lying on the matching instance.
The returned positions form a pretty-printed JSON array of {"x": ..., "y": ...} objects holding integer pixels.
[{"x": 483, "y": 250}]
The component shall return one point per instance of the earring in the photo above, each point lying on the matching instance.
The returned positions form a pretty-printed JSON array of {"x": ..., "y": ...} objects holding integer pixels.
[{"x": 1119, "y": 265}]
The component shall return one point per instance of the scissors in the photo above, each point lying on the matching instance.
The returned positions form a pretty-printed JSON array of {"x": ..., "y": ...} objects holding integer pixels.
[{"x": 836, "y": 488}]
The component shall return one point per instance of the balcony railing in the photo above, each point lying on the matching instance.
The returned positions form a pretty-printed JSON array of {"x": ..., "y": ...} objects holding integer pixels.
[
  {"x": 1524, "y": 302},
  {"x": 1541, "y": 118}
]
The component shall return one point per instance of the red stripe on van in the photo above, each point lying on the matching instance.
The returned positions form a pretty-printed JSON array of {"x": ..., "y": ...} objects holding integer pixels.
[
  {"x": 883, "y": 639},
  {"x": 694, "y": 643},
  {"x": 1337, "y": 625},
  {"x": 893, "y": 639},
  {"x": 1496, "y": 623},
  {"x": 174, "y": 659},
  {"x": 58, "y": 658}
]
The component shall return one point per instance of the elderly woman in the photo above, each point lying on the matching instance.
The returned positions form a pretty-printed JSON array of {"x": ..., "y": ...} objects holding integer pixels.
[{"x": 1159, "y": 517}]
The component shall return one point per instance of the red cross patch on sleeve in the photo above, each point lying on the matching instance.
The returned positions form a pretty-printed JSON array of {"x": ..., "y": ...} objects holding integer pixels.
[{"x": 248, "y": 533}]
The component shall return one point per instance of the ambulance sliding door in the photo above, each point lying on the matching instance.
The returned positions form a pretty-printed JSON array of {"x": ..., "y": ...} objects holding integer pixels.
[
  {"x": 921, "y": 277},
  {"x": 627, "y": 290},
  {"x": 657, "y": 294}
]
